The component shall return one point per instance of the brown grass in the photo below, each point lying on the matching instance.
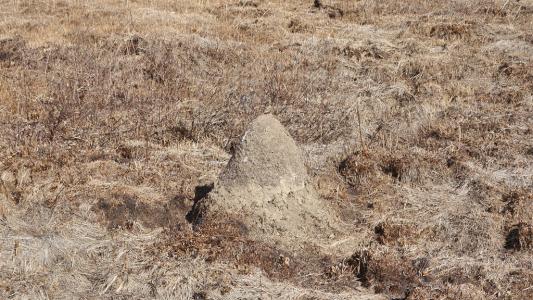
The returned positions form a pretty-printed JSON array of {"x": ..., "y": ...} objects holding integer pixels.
[{"x": 415, "y": 117}]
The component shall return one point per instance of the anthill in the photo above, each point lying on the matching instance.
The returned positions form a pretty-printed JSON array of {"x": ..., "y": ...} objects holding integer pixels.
[{"x": 266, "y": 188}]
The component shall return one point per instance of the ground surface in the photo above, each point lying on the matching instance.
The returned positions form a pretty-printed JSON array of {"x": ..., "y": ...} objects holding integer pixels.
[{"x": 415, "y": 118}]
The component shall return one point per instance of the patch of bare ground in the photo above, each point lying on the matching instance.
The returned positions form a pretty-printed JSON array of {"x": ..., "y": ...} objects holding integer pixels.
[{"x": 414, "y": 119}]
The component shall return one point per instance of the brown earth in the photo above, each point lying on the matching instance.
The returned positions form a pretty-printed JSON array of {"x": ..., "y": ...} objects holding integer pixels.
[{"x": 265, "y": 187}]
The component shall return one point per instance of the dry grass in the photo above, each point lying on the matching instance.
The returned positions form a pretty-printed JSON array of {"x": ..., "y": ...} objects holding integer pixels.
[{"x": 416, "y": 118}]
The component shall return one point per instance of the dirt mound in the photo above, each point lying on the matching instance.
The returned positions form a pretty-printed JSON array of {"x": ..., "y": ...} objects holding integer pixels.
[
  {"x": 266, "y": 157},
  {"x": 266, "y": 186}
]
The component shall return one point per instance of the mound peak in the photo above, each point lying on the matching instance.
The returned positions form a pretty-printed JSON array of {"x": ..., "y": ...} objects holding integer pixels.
[
  {"x": 268, "y": 157},
  {"x": 266, "y": 187}
]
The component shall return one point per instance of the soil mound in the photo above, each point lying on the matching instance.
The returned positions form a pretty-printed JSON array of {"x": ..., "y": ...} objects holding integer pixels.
[{"x": 266, "y": 186}]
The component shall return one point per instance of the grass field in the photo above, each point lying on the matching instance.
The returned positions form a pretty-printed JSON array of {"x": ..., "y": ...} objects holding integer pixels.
[{"x": 415, "y": 118}]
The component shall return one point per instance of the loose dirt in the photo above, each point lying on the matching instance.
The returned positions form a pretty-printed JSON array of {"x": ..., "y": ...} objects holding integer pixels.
[{"x": 265, "y": 185}]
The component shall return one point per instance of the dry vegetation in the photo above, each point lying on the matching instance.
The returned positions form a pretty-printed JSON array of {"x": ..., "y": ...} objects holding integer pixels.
[{"x": 415, "y": 116}]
